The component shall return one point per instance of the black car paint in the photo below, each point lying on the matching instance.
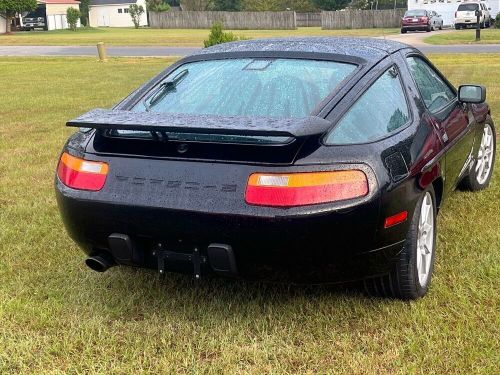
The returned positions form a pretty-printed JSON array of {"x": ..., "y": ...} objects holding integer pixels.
[{"x": 159, "y": 198}]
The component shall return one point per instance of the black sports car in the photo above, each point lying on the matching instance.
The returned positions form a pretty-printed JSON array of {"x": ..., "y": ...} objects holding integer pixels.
[{"x": 308, "y": 160}]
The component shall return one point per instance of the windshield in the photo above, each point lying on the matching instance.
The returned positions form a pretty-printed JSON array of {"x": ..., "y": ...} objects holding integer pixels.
[
  {"x": 38, "y": 12},
  {"x": 415, "y": 13},
  {"x": 467, "y": 7},
  {"x": 277, "y": 88}
]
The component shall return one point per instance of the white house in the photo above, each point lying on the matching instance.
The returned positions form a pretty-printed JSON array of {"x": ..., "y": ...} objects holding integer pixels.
[
  {"x": 55, "y": 11},
  {"x": 447, "y": 8},
  {"x": 3, "y": 25},
  {"x": 114, "y": 13}
]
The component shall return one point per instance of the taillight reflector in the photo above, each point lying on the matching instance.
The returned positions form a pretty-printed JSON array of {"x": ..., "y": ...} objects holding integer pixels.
[
  {"x": 299, "y": 189},
  {"x": 81, "y": 174},
  {"x": 395, "y": 219}
]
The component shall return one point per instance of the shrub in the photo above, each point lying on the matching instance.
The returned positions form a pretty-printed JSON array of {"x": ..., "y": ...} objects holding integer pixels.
[
  {"x": 136, "y": 11},
  {"x": 218, "y": 36},
  {"x": 72, "y": 16},
  {"x": 497, "y": 21}
]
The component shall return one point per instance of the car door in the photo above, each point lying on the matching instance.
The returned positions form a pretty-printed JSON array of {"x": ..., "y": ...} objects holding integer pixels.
[{"x": 448, "y": 116}]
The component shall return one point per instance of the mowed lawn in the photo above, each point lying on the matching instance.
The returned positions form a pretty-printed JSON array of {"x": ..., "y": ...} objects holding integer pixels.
[
  {"x": 163, "y": 37},
  {"x": 466, "y": 36},
  {"x": 56, "y": 316}
]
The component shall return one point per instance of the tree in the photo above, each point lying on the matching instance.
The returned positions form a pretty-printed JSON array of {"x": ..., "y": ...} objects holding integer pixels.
[
  {"x": 331, "y": 4},
  {"x": 72, "y": 16},
  {"x": 136, "y": 11},
  {"x": 157, "y": 6},
  {"x": 278, "y": 5},
  {"x": 84, "y": 10},
  {"x": 227, "y": 5},
  {"x": 360, "y": 4},
  {"x": 9, "y": 8},
  {"x": 197, "y": 4}
]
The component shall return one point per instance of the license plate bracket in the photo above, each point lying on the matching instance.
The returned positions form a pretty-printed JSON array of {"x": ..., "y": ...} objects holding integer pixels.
[{"x": 165, "y": 257}]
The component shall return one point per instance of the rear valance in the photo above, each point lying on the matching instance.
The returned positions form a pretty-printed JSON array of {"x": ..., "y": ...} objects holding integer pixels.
[{"x": 202, "y": 124}]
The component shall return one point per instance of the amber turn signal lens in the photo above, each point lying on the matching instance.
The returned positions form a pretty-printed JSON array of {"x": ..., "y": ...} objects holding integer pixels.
[
  {"x": 299, "y": 189},
  {"x": 82, "y": 174}
]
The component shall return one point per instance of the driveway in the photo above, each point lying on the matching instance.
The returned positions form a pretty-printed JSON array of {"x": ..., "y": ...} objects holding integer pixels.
[{"x": 415, "y": 39}]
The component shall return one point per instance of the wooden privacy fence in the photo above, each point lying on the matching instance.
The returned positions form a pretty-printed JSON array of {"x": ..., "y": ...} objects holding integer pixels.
[
  {"x": 308, "y": 19},
  {"x": 229, "y": 20},
  {"x": 361, "y": 19}
]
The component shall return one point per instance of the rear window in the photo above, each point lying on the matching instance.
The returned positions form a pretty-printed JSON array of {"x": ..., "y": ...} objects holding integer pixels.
[
  {"x": 277, "y": 88},
  {"x": 415, "y": 13},
  {"x": 467, "y": 7}
]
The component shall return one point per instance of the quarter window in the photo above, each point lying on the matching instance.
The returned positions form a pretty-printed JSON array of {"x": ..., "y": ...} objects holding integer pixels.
[
  {"x": 380, "y": 111},
  {"x": 434, "y": 91}
]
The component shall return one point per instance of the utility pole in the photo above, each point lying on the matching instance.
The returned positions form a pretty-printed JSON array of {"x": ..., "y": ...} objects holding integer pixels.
[{"x": 478, "y": 26}]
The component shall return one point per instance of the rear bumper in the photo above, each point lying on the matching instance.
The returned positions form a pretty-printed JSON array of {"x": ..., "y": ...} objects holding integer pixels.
[
  {"x": 465, "y": 22},
  {"x": 326, "y": 246},
  {"x": 421, "y": 27}
]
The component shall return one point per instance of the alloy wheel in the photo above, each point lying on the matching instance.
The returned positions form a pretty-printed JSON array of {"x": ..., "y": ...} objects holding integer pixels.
[
  {"x": 485, "y": 155},
  {"x": 425, "y": 239}
]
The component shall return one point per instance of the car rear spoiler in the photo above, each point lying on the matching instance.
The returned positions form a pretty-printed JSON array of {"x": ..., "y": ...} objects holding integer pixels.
[{"x": 201, "y": 124}]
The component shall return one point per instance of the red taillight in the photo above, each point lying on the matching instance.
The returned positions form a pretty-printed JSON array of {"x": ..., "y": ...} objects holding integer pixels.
[
  {"x": 81, "y": 174},
  {"x": 299, "y": 189},
  {"x": 395, "y": 219}
]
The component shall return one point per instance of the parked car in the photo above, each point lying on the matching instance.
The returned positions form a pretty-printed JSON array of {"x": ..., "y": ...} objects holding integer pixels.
[
  {"x": 35, "y": 19},
  {"x": 421, "y": 20},
  {"x": 436, "y": 20},
  {"x": 312, "y": 159},
  {"x": 465, "y": 16}
]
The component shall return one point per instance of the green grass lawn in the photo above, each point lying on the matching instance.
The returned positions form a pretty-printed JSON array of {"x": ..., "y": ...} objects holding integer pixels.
[
  {"x": 164, "y": 37},
  {"x": 56, "y": 316},
  {"x": 488, "y": 36}
]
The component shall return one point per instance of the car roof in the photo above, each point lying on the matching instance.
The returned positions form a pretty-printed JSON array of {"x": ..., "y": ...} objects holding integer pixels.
[{"x": 369, "y": 49}]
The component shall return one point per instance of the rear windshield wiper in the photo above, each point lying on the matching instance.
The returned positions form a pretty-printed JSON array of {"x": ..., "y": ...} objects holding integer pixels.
[{"x": 165, "y": 87}]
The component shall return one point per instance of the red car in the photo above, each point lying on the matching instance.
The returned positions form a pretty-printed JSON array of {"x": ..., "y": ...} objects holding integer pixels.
[{"x": 418, "y": 20}]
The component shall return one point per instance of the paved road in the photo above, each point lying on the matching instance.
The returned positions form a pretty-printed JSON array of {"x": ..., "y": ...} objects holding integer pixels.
[
  {"x": 183, "y": 51},
  {"x": 415, "y": 39},
  {"x": 92, "y": 51}
]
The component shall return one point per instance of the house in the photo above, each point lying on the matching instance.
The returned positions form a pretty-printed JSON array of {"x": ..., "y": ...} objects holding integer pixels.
[
  {"x": 114, "y": 13},
  {"x": 49, "y": 14},
  {"x": 3, "y": 25},
  {"x": 447, "y": 8},
  {"x": 56, "y": 12}
]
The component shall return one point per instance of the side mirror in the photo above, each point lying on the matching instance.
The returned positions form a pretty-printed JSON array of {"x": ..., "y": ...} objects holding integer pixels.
[{"x": 472, "y": 94}]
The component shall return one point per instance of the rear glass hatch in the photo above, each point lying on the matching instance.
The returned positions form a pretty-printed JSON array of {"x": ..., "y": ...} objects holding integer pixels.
[{"x": 237, "y": 109}]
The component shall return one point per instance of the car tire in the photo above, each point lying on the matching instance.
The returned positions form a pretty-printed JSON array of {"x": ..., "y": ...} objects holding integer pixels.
[
  {"x": 403, "y": 31},
  {"x": 441, "y": 26},
  {"x": 406, "y": 281},
  {"x": 480, "y": 173},
  {"x": 429, "y": 28},
  {"x": 457, "y": 27},
  {"x": 481, "y": 25}
]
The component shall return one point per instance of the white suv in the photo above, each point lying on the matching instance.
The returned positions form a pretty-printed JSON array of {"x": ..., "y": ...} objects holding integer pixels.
[{"x": 465, "y": 15}]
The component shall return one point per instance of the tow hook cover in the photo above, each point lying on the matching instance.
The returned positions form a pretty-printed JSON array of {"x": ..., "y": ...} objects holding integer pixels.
[
  {"x": 222, "y": 260},
  {"x": 121, "y": 247}
]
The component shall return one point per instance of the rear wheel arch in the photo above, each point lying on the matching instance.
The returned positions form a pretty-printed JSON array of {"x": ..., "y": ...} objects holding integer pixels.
[{"x": 438, "y": 186}]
